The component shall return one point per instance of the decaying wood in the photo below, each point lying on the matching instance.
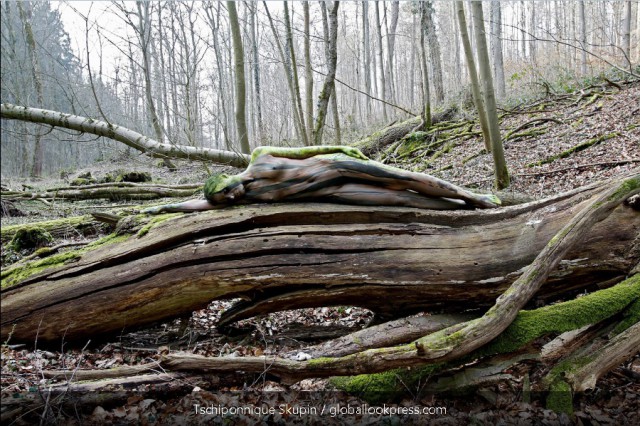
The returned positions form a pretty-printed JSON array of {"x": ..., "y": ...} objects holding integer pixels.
[
  {"x": 59, "y": 228},
  {"x": 101, "y": 374},
  {"x": 387, "y": 334},
  {"x": 112, "y": 191},
  {"x": 619, "y": 349},
  {"x": 302, "y": 255},
  {"x": 396, "y": 131}
]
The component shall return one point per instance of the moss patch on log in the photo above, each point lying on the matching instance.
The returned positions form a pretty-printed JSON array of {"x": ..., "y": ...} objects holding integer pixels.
[
  {"x": 79, "y": 223},
  {"x": 156, "y": 221},
  {"x": 528, "y": 326},
  {"x": 387, "y": 386},
  {"x": 16, "y": 274}
]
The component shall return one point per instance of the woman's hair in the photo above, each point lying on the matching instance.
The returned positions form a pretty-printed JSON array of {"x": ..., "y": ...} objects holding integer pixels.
[{"x": 215, "y": 183}]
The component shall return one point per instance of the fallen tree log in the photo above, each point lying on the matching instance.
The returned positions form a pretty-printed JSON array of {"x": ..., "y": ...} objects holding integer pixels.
[
  {"x": 377, "y": 141},
  {"x": 110, "y": 191},
  {"x": 300, "y": 255},
  {"x": 129, "y": 137}
]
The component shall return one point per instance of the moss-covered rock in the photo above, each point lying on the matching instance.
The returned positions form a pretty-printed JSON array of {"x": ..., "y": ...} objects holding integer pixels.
[
  {"x": 30, "y": 238},
  {"x": 82, "y": 182},
  {"x": 133, "y": 176}
]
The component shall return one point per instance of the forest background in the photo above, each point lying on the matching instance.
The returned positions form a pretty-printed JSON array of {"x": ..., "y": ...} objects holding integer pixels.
[{"x": 167, "y": 69}]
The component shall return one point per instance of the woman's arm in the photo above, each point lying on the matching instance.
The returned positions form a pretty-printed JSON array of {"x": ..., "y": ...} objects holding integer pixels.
[{"x": 187, "y": 206}]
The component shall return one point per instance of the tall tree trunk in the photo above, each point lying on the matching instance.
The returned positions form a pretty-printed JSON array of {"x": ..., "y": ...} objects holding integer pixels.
[
  {"x": 366, "y": 55},
  {"x": 144, "y": 34},
  {"x": 25, "y": 16},
  {"x": 238, "y": 54},
  {"x": 434, "y": 49},
  {"x": 496, "y": 47},
  {"x": 294, "y": 72},
  {"x": 426, "y": 92},
  {"x": 299, "y": 128},
  {"x": 626, "y": 32},
  {"x": 308, "y": 71},
  {"x": 583, "y": 37},
  {"x": 329, "y": 82},
  {"x": 500, "y": 165},
  {"x": 391, "y": 42},
  {"x": 256, "y": 70},
  {"x": 381, "y": 75},
  {"x": 473, "y": 75},
  {"x": 221, "y": 89}
]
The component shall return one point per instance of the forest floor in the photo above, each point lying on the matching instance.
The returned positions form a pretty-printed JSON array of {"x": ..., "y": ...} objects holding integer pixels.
[{"x": 552, "y": 144}]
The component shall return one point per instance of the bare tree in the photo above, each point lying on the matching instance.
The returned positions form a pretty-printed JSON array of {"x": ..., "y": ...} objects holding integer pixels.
[
  {"x": 489, "y": 97},
  {"x": 381, "y": 76},
  {"x": 391, "y": 42},
  {"x": 25, "y": 15},
  {"x": 308, "y": 71},
  {"x": 238, "y": 54},
  {"x": 434, "y": 49},
  {"x": 426, "y": 93},
  {"x": 583, "y": 37},
  {"x": 473, "y": 75},
  {"x": 294, "y": 72},
  {"x": 496, "y": 47},
  {"x": 626, "y": 30},
  {"x": 329, "y": 81}
]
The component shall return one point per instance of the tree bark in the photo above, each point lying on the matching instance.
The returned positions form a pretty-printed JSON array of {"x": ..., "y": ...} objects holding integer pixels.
[
  {"x": 241, "y": 97},
  {"x": 300, "y": 255},
  {"x": 121, "y": 134},
  {"x": 496, "y": 47},
  {"x": 25, "y": 16},
  {"x": 473, "y": 75},
  {"x": 489, "y": 96},
  {"x": 329, "y": 82}
]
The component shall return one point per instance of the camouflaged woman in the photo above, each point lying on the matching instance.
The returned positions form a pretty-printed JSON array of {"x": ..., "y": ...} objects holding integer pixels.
[{"x": 328, "y": 173}]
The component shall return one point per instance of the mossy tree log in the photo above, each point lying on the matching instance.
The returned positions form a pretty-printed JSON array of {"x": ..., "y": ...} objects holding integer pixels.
[
  {"x": 111, "y": 191},
  {"x": 300, "y": 255},
  {"x": 396, "y": 131}
]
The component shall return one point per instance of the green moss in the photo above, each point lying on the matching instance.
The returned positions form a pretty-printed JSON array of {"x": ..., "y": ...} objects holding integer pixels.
[
  {"x": 386, "y": 386},
  {"x": 19, "y": 273},
  {"x": 77, "y": 222},
  {"x": 156, "y": 221},
  {"x": 560, "y": 398},
  {"x": 626, "y": 187},
  {"x": 30, "y": 238},
  {"x": 528, "y": 326},
  {"x": 631, "y": 316},
  {"x": 574, "y": 149},
  {"x": 81, "y": 182},
  {"x": 565, "y": 316},
  {"x": 12, "y": 276}
]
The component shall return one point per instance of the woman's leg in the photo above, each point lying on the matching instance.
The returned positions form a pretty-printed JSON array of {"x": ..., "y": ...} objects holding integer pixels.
[
  {"x": 370, "y": 195},
  {"x": 399, "y": 179}
]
